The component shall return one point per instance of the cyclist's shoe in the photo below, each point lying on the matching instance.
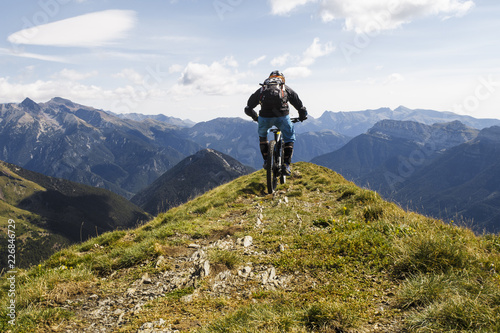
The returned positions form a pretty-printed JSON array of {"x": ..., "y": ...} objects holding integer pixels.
[
  {"x": 265, "y": 164},
  {"x": 286, "y": 169}
]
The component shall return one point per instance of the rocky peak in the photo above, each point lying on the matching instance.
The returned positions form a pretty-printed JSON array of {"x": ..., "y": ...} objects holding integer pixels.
[
  {"x": 409, "y": 130},
  {"x": 59, "y": 100},
  {"x": 30, "y": 105},
  {"x": 453, "y": 125},
  {"x": 491, "y": 134}
]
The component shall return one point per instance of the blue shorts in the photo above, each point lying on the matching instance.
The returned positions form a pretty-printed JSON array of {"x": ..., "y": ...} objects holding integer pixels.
[{"x": 283, "y": 123}]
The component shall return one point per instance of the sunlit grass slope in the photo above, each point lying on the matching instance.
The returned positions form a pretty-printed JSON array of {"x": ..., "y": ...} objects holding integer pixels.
[{"x": 345, "y": 260}]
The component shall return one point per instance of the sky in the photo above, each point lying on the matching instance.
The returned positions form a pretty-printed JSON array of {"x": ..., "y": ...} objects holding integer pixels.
[{"x": 200, "y": 60}]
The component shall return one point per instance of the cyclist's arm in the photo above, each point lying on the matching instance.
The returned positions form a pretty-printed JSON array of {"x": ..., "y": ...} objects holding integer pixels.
[
  {"x": 253, "y": 101},
  {"x": 294, "y": 99}
]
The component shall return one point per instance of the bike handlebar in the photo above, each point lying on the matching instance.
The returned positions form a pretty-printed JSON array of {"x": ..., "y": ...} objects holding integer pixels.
[{"x": 294, "y": 120}]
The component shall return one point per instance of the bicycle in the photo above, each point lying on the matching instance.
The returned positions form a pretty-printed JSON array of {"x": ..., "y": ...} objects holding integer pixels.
[{"x": 275, "y": 160}]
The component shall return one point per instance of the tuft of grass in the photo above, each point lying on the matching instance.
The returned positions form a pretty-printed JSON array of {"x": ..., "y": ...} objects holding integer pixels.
[
  {"x": 347, "y": 194},
  {"x": 329, "y": 317},
  {"x": 372, "y": 213},
  {"x": 263, "y": 317},
  {"x": 431, "y": 253},
  {"x": 455, "y": 314},
  {"x": 229, "y": 259}
]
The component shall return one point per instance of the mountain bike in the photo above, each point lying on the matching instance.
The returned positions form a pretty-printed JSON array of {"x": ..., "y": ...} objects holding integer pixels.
[{"x": 275, "y": 160}]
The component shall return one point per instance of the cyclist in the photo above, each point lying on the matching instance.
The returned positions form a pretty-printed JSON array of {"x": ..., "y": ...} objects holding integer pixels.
[{"x": 273, "y": 98}]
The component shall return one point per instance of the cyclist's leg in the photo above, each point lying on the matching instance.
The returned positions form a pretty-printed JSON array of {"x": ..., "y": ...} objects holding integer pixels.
[
  {"x": 264, "y": 148},
  {"x": 288, "y": 130},
  {"x": 264, "y": 125},
  {"x": 288, "y": 152}
]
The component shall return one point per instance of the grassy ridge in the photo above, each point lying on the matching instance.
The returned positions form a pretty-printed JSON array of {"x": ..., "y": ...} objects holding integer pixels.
[
  {"x": 33, "y": 241},
  {"x": 52, "y": 213},
  {"x": 351, "y": 262}
]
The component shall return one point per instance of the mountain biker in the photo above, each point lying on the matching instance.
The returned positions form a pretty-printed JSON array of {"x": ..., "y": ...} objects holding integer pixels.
[{"x": 274, "y": 110}]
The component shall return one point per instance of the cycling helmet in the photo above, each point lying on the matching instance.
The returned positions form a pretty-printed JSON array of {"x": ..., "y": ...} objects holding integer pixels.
[{"x": 277, "y": 74}]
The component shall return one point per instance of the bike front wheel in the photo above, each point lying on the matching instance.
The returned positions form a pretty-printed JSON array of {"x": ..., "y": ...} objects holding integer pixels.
[{"x": 271, "y": 167}]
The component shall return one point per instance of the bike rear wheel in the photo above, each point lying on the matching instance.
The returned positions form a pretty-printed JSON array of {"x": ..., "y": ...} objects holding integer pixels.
[{"x": 271, "y": 168}]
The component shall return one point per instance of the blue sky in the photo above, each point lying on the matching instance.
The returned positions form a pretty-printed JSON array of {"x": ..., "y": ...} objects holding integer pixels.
[{"x": 200, "y": 60}]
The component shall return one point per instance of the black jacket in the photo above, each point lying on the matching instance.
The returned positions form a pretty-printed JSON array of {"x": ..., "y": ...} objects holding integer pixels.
[{"x": 293, "y": 98}]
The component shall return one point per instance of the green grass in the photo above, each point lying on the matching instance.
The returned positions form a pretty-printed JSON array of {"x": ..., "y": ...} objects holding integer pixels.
[{"x": 352, "y": 261}]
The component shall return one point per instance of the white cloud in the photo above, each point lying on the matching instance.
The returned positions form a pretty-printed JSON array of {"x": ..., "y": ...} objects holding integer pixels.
[
  {"x": 316, "y": 50},
  {"x": 283, "y": 7},
  {"x": 230, "y": 61},
  {"x": 255, "y": 62},
  {"x": 365, "y": 16},
  {"x": 297, "y": 72},
  {"x": 280, "y": 60},
  {"x": 72, "y": 75},
  {"x": 394, "y": 78},
  {"x": 132, "y": 76},
  {"x": 301, "y": 63},
  {"x": 176, "y": 68},
  {"x": 89, "y": 30},
  {"x": 382, "y": 80},
  {"x": 124, "y": 98},
  {"x": 218, "y": 78},
  {"x": 22, "y": 54}
]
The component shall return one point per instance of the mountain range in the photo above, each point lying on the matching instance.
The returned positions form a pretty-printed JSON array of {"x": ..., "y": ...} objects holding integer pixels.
[
  {"x": 354, "y": 123},
  {"x": 67, "y": 140},
  {"x": 381, "y": 149},
  {"x": 368, "y": 158}
]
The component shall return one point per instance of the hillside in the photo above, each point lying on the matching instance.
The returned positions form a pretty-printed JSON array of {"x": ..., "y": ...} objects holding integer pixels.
[
  {"x": 51, "y": 213},
  {"x": 191, "y": 177},
  {"x": 463, "y": 184},
  {"x": 321, "y": 255},
  {"x": 393, "y": 148}
]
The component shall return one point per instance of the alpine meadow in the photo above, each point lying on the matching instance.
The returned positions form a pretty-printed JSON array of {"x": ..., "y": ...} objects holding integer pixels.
[{"x": 320, "y": 255}]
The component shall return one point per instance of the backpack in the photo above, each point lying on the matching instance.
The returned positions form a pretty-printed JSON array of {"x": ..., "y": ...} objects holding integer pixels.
[{"x": 273, "y": 94}]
